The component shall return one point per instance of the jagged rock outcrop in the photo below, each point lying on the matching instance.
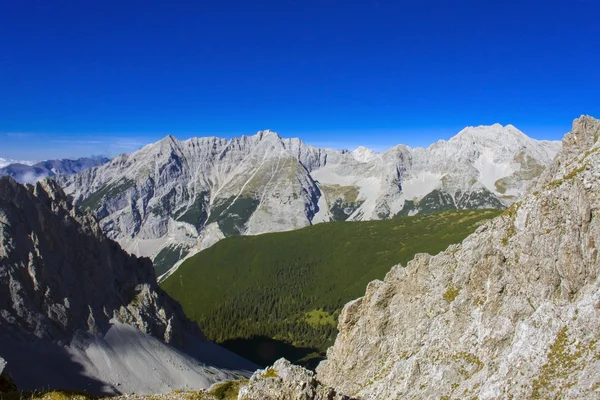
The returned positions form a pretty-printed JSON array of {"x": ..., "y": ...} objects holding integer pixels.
[
  {"x": 284, "y": 381},
  {"x": 33, "y": 172},
  {"x": 176, "y": 197},
  {"x": 72, "y": 299},
  {"x": 60, "y": 274},
  {"x": 512, "y": 312}
]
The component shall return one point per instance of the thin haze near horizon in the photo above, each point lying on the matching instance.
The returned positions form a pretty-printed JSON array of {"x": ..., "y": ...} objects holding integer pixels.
[{"x": 79, "y": 77}]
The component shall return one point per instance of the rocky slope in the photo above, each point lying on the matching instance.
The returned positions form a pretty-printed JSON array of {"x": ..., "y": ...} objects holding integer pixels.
[
  {"x": 173, "y": 197},
  {"x": 26, "y": 172},
  {"x": 284, "y": 381},
  {"x": 512, "y": 312},
  {"x": 76, "y": 310},
  {"x": 199, "y": 190}
]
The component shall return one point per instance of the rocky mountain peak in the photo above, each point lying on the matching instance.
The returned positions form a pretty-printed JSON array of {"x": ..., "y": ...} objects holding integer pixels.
[
  {"x": 32, "y": 172},
  {"x": 583, "y": 136},
  {"x": 267, "y": 133},
  {"x": 363, "y": 154},
  {"x": 178, "y": 197},
  {"x": 497, "y": 133}
]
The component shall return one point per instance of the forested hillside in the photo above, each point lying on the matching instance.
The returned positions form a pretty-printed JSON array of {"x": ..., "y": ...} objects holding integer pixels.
[{"x": 279, "y": 294}]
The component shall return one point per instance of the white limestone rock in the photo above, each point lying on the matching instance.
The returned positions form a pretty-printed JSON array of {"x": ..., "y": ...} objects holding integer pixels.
[
  {"x": 512, "y": 312},
  {"x": 197, "y": 191},
  {"x": 284, "y": 381}
]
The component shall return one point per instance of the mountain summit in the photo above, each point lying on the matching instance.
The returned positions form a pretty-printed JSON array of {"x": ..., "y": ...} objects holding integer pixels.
[{"x": 175, "y": 197}]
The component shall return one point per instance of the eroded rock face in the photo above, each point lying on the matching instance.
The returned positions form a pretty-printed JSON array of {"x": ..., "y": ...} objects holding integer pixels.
[
  {"x": 512, "y": 312},
  {"x": 78, "y": 312},
  {"x": 178, "y": 197},
  {"x": 60, "y": 274},
  {"x": 285, "y": 381}
]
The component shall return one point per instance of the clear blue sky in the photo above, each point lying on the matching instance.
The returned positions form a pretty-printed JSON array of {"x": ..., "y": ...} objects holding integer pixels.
[{"x": 87, "y": 76}]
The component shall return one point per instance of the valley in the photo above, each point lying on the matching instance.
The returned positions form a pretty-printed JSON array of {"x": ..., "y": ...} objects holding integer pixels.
[{"x": 279, "y": 294}]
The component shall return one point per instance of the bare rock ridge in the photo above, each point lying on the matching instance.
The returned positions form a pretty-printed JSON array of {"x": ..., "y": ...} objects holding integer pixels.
[
  {"x": 173, "y": 197},
  {"x": 512, "y": 312},
  {"x": 70, "y": 296}
]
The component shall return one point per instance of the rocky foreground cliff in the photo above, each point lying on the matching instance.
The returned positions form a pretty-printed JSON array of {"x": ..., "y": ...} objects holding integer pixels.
[
  {"x": 76, "y": 311},
  {"x": 512, "y": 312}
]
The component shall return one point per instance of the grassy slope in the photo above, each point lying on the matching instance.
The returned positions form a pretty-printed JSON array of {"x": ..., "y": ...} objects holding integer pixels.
[{"x": 271, "y": 285}]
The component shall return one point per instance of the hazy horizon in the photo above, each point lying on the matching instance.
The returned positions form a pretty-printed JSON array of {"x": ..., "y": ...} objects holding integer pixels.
[{"x": 119, "y": 145}]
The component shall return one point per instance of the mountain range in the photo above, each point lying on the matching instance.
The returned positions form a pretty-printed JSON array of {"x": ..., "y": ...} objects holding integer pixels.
[
  {"x": 183, "y": 196},
  {"x": 29, "y": 172},
  {"x": 4, "y": 162},
  {"x": 511, "y": 312}
]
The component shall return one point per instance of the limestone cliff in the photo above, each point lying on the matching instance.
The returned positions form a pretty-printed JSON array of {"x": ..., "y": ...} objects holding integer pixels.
[
  {"x": 512, "y": 312},
  {"x": 78, "y": 312},
  {"x": 59, "y": 273},
  {"x": 173, "y": 198}
]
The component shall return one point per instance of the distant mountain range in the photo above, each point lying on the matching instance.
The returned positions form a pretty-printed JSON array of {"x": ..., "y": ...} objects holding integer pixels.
[
  {"x": 4, "y": 162},
  {"x": 29, "y": 172},
  {"x": 186, "y": 195}
]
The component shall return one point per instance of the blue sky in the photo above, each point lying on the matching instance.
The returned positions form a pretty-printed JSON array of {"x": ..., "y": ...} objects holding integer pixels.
[{"x": 81, "y": 77}]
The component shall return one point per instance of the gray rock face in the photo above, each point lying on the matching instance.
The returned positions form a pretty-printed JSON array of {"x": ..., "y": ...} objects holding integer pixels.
[
  {"x": 31, "y": 173},
  {"x": 194, "y": 192},
  {"x": 512, "y": 312},
  {"x": 182, "y": 196},
  {"x": 60, "y": 274},
  {"x": 77, "y": 311},
  {"x": 285, "y": 381}
]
